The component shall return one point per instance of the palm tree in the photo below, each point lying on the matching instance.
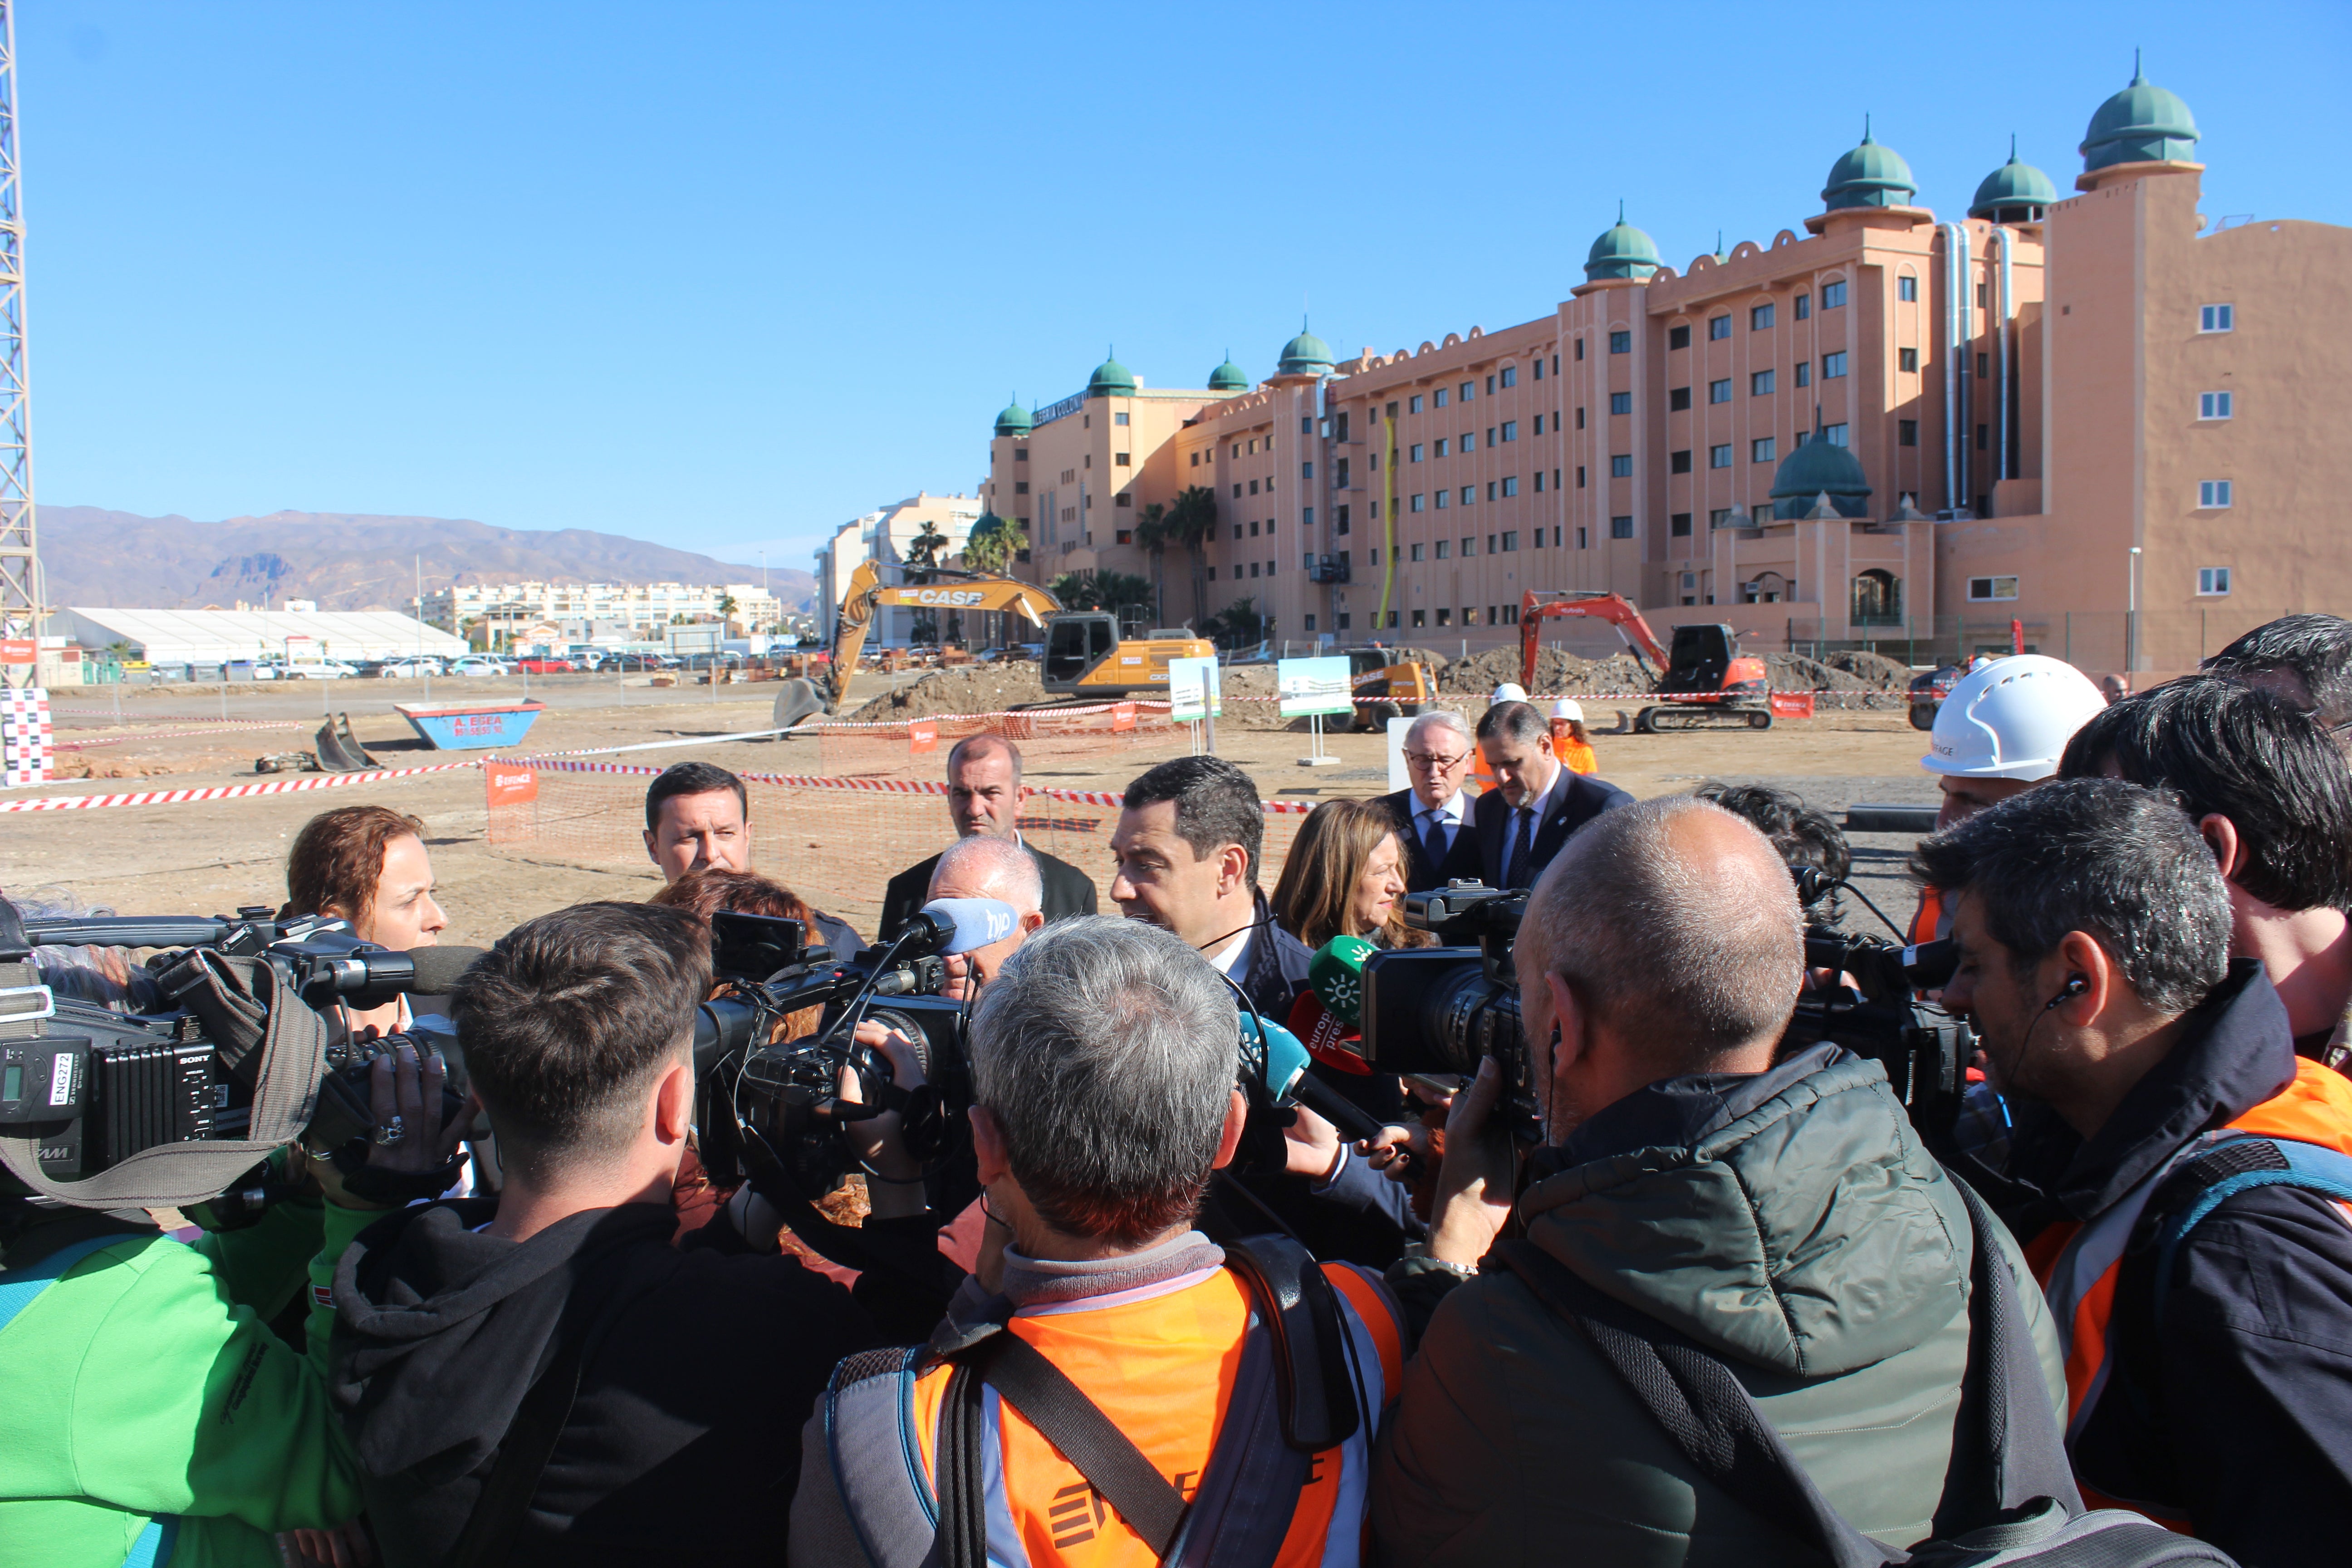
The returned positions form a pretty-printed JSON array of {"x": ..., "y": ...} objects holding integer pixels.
[
  {"x": 1191, "y": 521},
  {"x": 1151, "y": 534},
  {"x": 923, "y": 549}
]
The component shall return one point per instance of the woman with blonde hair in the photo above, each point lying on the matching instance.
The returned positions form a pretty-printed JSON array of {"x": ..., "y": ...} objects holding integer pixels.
[{"x": 1345, "y": 876}]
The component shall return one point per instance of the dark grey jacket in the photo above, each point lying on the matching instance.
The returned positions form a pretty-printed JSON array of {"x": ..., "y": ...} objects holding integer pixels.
[{"x": 1789, "y": 1221}]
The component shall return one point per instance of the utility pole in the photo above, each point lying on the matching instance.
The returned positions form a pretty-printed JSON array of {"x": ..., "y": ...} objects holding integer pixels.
[{"x": 21, "y": 609}]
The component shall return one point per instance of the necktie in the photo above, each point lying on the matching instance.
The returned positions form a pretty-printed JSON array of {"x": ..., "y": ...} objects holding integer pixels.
[
  {"x": 1433, "y": 843},
  {"x": 1515, "y": 874}
]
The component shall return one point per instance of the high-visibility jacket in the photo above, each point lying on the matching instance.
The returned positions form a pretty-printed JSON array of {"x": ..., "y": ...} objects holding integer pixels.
[
  {"x": 1576, "y": 756},
  {"x": 1926, "y": 925},
  {"x": 2078, "y": 1263},
  {"x": 1161, "y": 1362}
]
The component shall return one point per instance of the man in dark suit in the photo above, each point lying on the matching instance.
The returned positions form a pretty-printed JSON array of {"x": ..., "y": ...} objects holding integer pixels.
[
  {"x": 985, "y": 796},
  {"x": 1536, "y": 804},
  {"x": 1433, "y": 816}
]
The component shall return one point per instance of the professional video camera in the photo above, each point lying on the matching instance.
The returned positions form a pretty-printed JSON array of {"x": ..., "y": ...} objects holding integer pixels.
[
  {"x": 108, "y": 1109},
  {"x": 1438, "y": 1009},
  {"x": 1923, "y": 1049}
]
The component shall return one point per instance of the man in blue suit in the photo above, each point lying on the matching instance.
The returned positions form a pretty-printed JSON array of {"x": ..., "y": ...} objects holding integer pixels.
[{"x": 1537, "y": 804}]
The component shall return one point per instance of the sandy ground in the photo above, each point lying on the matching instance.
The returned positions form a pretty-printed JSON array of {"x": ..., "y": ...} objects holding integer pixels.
[{"x": 213, "y": 857}]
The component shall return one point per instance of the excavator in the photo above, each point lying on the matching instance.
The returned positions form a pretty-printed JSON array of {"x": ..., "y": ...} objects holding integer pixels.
[
  {"x": 1705, "y": 683},
  {"x": 1085, "y": 655}
]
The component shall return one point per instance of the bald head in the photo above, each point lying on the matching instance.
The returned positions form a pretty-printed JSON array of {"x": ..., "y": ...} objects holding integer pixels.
[
  {"x": 985, "y": 867},
  {"x": 1676, "y": 926}
]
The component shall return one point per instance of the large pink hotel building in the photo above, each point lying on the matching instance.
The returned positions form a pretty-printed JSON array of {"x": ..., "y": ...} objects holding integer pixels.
[{"x": 1889, "y": 429}]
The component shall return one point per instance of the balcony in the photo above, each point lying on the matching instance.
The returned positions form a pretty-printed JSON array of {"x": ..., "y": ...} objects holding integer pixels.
[{"x": 1328, "y": 569}]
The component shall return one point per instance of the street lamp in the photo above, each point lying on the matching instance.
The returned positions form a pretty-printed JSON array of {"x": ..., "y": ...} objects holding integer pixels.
[{"x": 2131, "y": 612}]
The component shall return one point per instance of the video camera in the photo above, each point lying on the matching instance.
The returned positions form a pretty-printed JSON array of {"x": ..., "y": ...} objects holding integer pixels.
[
  {"x": 192, "y": 1096},
  {"x": 1439, "y": 1009},
  {"x": 1924, "y": 1050}
]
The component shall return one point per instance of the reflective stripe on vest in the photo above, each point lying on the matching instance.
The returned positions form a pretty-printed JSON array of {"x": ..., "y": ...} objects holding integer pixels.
[
  {"x": 2077, "y": 1265},
  {"x": 1161, "y": 1362}
]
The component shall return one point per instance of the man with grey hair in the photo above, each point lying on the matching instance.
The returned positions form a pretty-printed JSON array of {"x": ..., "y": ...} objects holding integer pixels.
[
  {"x": 984, "y": 798},
  {"x": 1432, "y": 814},
  {"x": 1782, "y": 1215},
  {"x": 1103, "y": 1068},
  {"x": 1536, "y": 802},
  {"x": 982, "y": 866}
]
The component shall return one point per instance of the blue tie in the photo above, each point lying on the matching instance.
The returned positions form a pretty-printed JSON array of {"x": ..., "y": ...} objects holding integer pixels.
[{"x": 1515, "y": 874}]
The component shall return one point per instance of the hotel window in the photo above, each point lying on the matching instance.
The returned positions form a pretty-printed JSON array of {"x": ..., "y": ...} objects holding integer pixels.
[
  {"x": 1413, "y": 456},
  {"x": 1444, "y": 616},
  {"x": 1907, "y": 360},
  {"x": 1579, "y": 419},
  {"x": 1538, "y": 481},
  {"x": 1761, "y": 383},
  {"x": 1469, "y": 615},
  {"x": 1416, "y": 553},
  {"x": 1212, "y": 573},
  {"x": 1437, "y": 398},
  {"x": 1906, "y": 288},
  {"x": 1021, "y": 487},
  {"x": 1440, "y": 446},
  {"x": 1719, "y": 456},
  {"x": 2217, "y": 319},
  {"x": 1305, "y": 471},
  {"x": 1121, "y": 459},
  {"x": 1621, "y": 528},
  {"x": 1196, "y": 459},
  {"x": 1986, "y": 589},
  {"x": 2212, "y": 494},
  {"x": 1906, "y": 432},
  {"x": 1510, "y": 376},
  {"x": 1679, "y": 525},
  {"x": 1716, "y": 519},
  {"x": 1469, "y": 494},
  {"x": 1719, "y": 391},
  {"x": 1832, "y": 295},
  {"x": 2212, "y": 580},
  {"x": 1414, "y": 406},
  {"x": 1678, "y": 399},
  {"x": 1469, "y": 442},
  {"x": 1469, "y": 391},
  {"x": 1237, "y": 489},
  {"x": 1253, "y": 566},
  {"x": 1832, "y": 366},
  {"x": 1621, "y": 342},
  {"x": 1490, "y": 489},
  {"x": 1984, "y": 438},
  {"x": 1252, "y": 530},
  {"x": 1392, "y": 408},
  {"x": 1834, "y": 434},
  {"x": 1020, "y": 454},
  {"x": 1342, "y": 618},
  {"x": 1621, "y": 403},
  {"x": 1416, "y": 503},
  {"x": 1490, "y": 386},
  {"x": 1417, "y": 618},
  {"x": 1310, "y": 620},
  {"x": 1510, "y": 539},
  {"x": 1580, "y": 476},
  {"x": 1759, "y": 317},
  {"x": 2213, "y": 405},
  {"x": 1677, "y": 337},
  {"x": 1804, "y": 306},
  {"x": 1984, "y": 365},
  {"x": 1469, "y": 545},
  {"x": 1761, "y": 449},
  {"x": 1237, "y": 530},
  {"x": 1338, "y": 523},
  {"x": 1118, "y": 418},
  {"x": 1444, "y": 549},
  {"x": 1804, "y": 373},
  {"x": 1621, "y": 466},
  {"x": 1538, "y": 363},
  {"x": 1445, "y": 499},
  {"x": 1253, "y": 446},
  {"x": 1253, "y": 485},
  {"x": 1511, "y": 430},
  {"x": 1718, "y": 327},
  {"x": 1511, "y": 486},
  {"x": 1678, "y": 462}
]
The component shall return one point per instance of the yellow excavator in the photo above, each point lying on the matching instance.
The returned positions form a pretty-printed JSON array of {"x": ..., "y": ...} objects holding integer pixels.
[{"x": 1085, "y": 655}]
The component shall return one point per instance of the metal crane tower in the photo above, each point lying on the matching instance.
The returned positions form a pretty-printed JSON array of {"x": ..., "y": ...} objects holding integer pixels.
[{"x": 20, "y": 576}]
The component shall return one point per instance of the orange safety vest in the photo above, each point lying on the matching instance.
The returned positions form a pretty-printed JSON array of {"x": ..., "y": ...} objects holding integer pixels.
[
  {"x": 1161, "y": 1361},
  {"x": 1576, "y": 756},
  {"x": 1930, "y": 916},
  {"x": 2078, "y": 1264}
]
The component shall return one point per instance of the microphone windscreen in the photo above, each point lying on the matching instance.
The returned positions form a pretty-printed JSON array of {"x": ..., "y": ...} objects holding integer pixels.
[
  {"x": 1285, "y": 1057},
  {"x": 1325, "y": 1037},
  {"x": 438, "y": 969},
  {"x": 972, "y": 922},
  {"x": 1337, "y": 975}
]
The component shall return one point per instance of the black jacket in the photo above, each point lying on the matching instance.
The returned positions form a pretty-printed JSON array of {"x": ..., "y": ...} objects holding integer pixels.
[
  {"x": 1422, "y": 873},
  {"x": 2235, "y": 1414},
  {"x": 684, "y": 1444},
  {"x": 1068, "y": 890},
  {"x": 1575, "y": 800}
]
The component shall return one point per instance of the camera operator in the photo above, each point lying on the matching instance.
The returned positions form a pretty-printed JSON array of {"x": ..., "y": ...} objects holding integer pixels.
[
  {"x": 147, "y": 1411},
  {"x": 2094, "y": 931},
  {"x": 367, "y": 865},
  {"x": 544, "y": 1378},
  {"x": 1782, "y": 1215},
  {"x": 2307, "y": 660},
  {"x": 2269, "y": 792},
  {"x": 1103, "y": 1068}
]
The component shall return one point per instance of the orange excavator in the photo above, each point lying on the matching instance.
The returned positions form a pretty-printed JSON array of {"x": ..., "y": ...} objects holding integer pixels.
[{"x": 1703, "y": 680}]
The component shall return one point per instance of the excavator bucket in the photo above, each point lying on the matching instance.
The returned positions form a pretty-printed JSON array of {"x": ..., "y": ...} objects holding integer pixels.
[
  {"x": 796, "y": 700},
  {"x": 340, "y": 751}
]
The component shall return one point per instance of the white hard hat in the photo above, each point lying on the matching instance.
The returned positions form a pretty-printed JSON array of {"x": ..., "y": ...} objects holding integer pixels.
[
  {"x": 1509, "y": 691},
  {"x": 1566, "y": 707},
  {"x": 2011, "y": 719}
]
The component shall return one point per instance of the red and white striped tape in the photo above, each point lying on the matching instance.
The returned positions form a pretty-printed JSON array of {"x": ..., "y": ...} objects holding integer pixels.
[
  {"x": 223, "y": 792},
  {"x": 861, "y": 786}
]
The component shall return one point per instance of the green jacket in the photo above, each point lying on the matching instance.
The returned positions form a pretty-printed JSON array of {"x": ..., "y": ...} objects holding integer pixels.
[
  {"x": 145, "y": 1382},
  {"x": 1789, "y": 1221}
]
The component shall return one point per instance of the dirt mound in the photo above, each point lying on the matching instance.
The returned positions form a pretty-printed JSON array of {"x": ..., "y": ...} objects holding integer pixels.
[
  {"x": 1884, "y": 673},
  {"x": 1836, "y": 672},
  {"x": 1556, "y": 671},
  {"x": 967, "y": 689}
]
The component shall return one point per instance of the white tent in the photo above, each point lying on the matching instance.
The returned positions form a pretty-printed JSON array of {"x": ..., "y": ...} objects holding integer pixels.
[{"x": 218, "y": 636}]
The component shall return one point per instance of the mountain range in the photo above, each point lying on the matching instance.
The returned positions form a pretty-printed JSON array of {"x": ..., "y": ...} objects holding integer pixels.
[{"x": 344, "y": 561}]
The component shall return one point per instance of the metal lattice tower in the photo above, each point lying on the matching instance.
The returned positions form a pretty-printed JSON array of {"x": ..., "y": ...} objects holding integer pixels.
[{"x": 20, "y": 575}]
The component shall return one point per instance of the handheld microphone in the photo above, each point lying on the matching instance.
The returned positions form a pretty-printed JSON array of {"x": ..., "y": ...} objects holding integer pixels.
[
  {"x": 1336, "y": 976},
  {"x": 956, "y": 925},
  {"x": 1328, "y": 1039},
  {"x": 1278, "y": 1053}
]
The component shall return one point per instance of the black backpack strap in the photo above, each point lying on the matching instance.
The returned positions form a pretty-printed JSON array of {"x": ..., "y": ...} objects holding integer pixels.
[
  {"x": 1300, "y": 1308},
  {"x": 2008, "y": 1439},
  {"x": 962, "y": 1474}
]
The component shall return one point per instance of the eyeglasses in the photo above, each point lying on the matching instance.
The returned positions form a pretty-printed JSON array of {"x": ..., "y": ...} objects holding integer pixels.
[{"x": 1430, "y": 760}]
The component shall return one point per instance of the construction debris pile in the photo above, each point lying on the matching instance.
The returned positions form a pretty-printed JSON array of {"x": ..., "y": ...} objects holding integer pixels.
[{"x": 1556, "y": 671}]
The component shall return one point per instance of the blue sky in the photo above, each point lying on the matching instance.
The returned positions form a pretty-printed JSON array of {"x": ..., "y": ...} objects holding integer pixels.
[{"x": 726, "y": 275}]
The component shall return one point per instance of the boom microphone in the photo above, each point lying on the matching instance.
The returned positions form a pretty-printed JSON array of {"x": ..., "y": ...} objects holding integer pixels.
[
  {"x": 957, "y": 925},
  {"x": 420, "y": 972}
]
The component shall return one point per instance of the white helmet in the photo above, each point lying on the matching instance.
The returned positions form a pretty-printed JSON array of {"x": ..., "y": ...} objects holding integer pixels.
[
  {"x": 2011, "y": 719},
  {"x": 1566, "y": 707},
  {"x": 1509, "y": 691}
]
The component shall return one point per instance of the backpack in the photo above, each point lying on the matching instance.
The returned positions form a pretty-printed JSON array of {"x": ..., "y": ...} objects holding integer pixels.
[
  {"x": 2010, "y": 1498},
  {"x": 2230, "y": 1165}
]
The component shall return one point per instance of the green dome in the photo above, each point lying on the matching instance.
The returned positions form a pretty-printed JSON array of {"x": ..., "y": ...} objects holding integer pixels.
[
  {"x": 2014, "y": 192},
  {"x": 1815, "y": 466},
  {"x": 1621, "y": 251},
  {"x": 1869, "y": 176},
  {"x": 1015, "y": 420},
  {"x": 1230, "y": 377},
  {"x": 1302, "y": 355},
  {"x": 2141, "y": 124},
  {"x": 1111, "y": 379}
]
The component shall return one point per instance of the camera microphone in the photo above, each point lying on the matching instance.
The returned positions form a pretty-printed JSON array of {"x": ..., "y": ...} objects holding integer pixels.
[
  {"x": 956, "y": 925},
  {"x": 421, "y": 972}
]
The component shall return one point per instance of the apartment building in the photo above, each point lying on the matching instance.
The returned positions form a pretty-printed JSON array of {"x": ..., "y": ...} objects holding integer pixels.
[
  {"x": 639, "y": 607},
  {"x": 884, "y": 536}
]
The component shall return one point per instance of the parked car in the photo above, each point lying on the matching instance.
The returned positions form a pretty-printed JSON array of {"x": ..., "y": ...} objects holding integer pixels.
[
  {"x": 545, "y": 666},
  {"x": 319, "y": 670},
  {"x": 408, "y": 669},
  {"x": 478, "y": 664}
]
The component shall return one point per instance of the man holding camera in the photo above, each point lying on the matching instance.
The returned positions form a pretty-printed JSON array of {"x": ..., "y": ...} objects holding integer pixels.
[
  {"x": 1536, "y": 802},
  {"x": 2186, "y": 1211},
  {"x": 1781, "y": 1216},
  {"x": 542, "y": 1376},
  {"x": 1120, "y": 1392},
  {"x": 984, "y": 796}
]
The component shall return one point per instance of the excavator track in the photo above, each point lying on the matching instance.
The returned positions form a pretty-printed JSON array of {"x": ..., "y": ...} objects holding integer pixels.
[{"x": 1664, "y": 719}]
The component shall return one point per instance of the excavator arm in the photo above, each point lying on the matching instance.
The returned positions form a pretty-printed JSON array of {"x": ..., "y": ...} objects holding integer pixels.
[
  {"x": 948, "y": 590},
  {"x": 1614, "y": 608}
]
